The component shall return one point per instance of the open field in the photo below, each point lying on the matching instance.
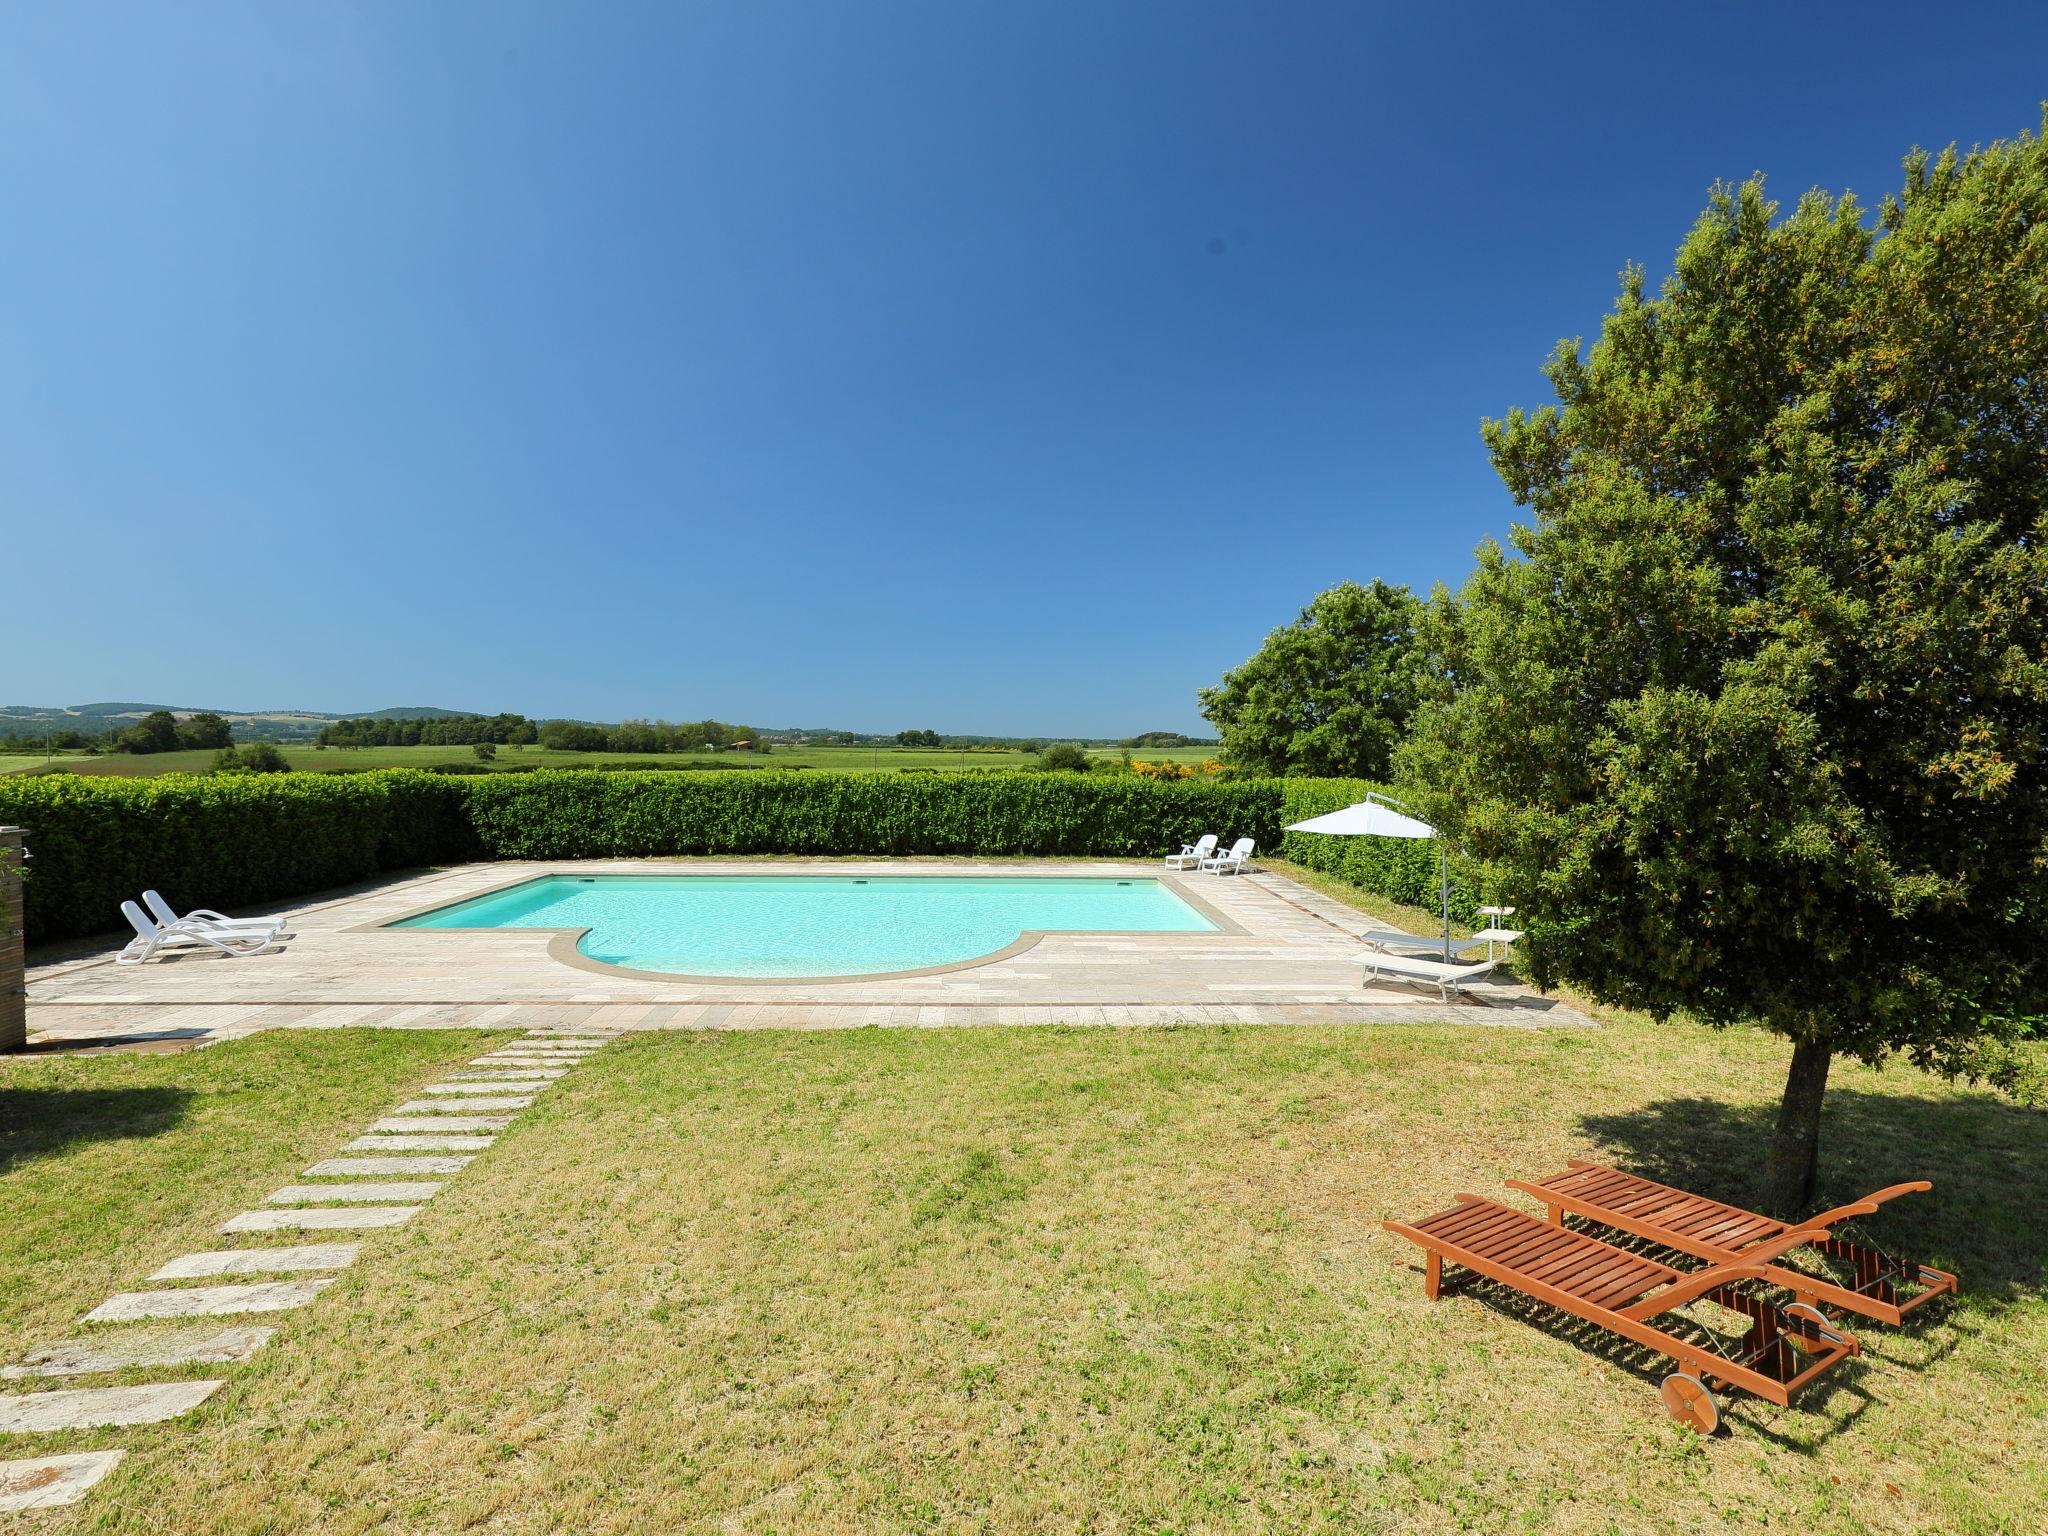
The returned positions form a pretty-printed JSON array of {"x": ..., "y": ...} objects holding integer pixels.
[
  {"x": 355, "y": 759},
  {"x": 1028, "y": 1280}
]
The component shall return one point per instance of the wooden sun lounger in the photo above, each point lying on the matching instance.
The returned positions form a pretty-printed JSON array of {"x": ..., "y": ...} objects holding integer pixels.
[
  {"x": 1628, "y": 1293},
  {"x": 1707, "y": 1229}
]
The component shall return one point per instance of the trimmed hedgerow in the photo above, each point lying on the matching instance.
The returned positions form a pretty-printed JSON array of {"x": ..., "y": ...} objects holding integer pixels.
[
  {"x": 1400, "y": 869},
  {"x": 236, "y": 840},
  {"x": 600, "y": 815},
  {"x": 220, "y": 842}
]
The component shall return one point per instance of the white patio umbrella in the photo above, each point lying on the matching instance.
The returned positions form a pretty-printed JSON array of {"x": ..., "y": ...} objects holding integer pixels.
[{"x": 1375, "y": 816}]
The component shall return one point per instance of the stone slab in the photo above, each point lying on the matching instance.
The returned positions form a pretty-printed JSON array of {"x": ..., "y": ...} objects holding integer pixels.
[
  {"x": 510, "y": 1075},
  {"x": 402, "y": 1192},
  {"x": 180, "y": 1346},
  {"x": 208, "y": 1300},
  {"x": 358, "y": 1167},
  {"x": 484, "y": 1106},
  {"x": 328, "y": 1218},
  {"x": 419, "y": 1144},
  {"x": 260, "y": 1261},
  {"x": 102, "y": 1407},
  {"x": 50, "y": 1482},
  {"x": 490, "y": 1085},
  {"x": 433, "y": 1123},
  {"x": 512, "y": 1061}
]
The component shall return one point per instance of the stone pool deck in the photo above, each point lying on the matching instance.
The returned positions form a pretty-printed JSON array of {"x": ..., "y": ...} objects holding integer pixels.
[{"x": 1292, "y": 959}]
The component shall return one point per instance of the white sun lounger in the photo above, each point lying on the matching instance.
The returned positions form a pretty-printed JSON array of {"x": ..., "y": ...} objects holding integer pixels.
[
  {"x": 151, "y": 936},
  {"x": 1235, "y": 862},
  {"x": 1445, "y": 978},
  {"x": 1192, "y": 854},
  {"x": 206, "y": 917}
]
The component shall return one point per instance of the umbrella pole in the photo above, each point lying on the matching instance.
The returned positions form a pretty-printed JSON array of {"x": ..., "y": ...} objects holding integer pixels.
[{"x": 1444, "y": 881}]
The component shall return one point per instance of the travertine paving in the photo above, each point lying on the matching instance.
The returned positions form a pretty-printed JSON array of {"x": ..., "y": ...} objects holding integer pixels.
[
  {"x": 1288, "y": 956},
  {"x": 339, "y": 1203}
]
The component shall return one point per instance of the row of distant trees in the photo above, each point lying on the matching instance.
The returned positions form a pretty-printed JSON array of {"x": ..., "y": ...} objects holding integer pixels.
[
  {"x": 509, "y": 730},
  {"x": 450, "y": 731},
  {"x": 162, "y": 731}
]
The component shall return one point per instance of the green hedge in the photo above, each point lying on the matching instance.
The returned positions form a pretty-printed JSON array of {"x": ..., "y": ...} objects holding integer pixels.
[
  {"x": 609, "y": 815},
  {"x": 220, "y": 842},
  {"x": 232, "y": 841},
  {"x": 1400, "y": 869}
]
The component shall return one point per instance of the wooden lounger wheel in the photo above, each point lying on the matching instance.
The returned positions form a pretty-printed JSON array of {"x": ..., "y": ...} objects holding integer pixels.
[
  {"x": 1687, "y": 1400},
  {"x": 1812, "y": 1314}
]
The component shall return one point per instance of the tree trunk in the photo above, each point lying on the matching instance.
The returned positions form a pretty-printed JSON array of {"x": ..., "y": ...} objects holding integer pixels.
[{"x": 1794, "y": 1159}]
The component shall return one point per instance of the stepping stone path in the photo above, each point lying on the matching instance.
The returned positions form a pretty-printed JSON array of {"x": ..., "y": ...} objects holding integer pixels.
[{"x": 453, "y": 1120}]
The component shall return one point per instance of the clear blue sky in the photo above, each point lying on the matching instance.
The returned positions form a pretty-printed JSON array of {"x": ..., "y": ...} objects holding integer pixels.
[{"x": 982, "y": 367}]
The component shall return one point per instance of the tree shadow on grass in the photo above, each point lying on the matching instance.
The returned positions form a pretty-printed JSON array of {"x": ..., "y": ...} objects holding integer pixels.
[
  {"x": 35, "y": 1122},
  {"x": 1986, "y": 1219}
]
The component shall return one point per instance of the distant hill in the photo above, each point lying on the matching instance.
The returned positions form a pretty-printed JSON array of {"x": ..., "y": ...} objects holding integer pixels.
[
  {"x": 250, "y": 724},
  {"x": 408, "y": 712}
]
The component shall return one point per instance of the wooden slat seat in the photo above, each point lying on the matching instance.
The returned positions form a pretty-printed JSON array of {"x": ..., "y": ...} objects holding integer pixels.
[
  {"x": 1568, "y": 1261},
  {"x": 1719, "y": 1233}
]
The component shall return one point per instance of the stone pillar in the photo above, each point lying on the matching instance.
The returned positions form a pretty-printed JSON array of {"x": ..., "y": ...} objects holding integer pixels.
[{"x": 13, "y": 977}]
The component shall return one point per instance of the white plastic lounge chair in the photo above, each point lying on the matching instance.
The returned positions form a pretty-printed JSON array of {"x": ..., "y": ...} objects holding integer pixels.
[
  {"x": 1192, "y": 854},
  {"x": 151, "y": 937},
  {"x": 1235, "y": 862},
  {"x": 206, "y": 917},
  {"x": 1393, "y": 938},
  {"x": 1445, "y": 978}
]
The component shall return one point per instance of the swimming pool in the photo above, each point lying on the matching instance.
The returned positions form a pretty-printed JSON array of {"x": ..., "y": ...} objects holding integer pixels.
[{"x": 816, "y": 925}]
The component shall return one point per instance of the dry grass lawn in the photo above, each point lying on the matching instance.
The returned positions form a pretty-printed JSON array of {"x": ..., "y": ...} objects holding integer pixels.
[{"x": 1084, "y": 1280}]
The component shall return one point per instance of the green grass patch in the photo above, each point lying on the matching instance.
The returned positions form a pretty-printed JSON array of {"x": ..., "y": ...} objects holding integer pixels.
[
  {"x": 1083, "y": 1279},
  {"x": 110, "y": 1165}
]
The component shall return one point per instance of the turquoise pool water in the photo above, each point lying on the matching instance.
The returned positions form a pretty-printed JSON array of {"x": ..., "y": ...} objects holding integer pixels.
[{"x": 815, "y": 925}]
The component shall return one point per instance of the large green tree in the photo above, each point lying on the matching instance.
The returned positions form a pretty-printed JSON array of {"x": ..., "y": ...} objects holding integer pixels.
[
  {"x": 1755, "y": 723},
  {"x": 1329, "y": 694}
]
